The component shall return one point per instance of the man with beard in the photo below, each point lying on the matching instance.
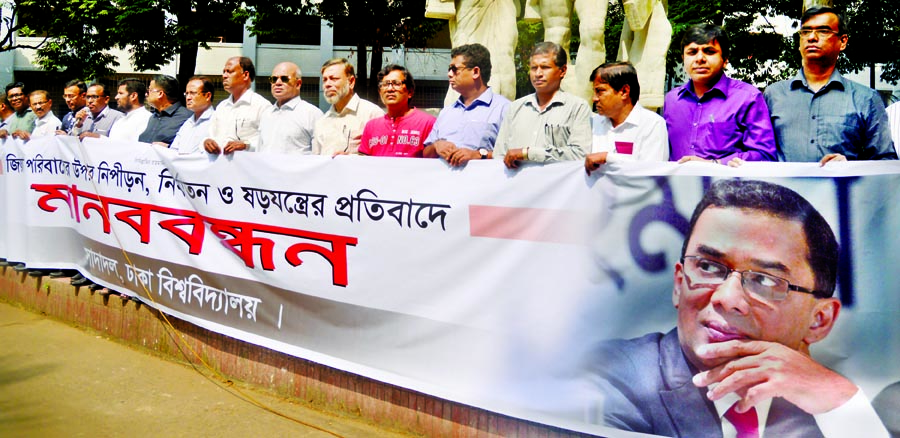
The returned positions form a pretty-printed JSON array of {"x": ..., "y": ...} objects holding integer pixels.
[
  {"x": 199, "y": 98},
  {"x": 235, "y": 125},
  {"x": 287, "y": 127},
  {"x": 467, "y": 129},
  {"x": 340, "y": 130},
  {"x": 97, "y": 119},
  {"x": 23, "y": 120},
  {"x": 130, "y": 99},
  {"x": 73, "y": 94}
]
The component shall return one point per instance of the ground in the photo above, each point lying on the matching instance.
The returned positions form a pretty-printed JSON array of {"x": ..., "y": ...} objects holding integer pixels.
[{"x": 61, "y": 381}]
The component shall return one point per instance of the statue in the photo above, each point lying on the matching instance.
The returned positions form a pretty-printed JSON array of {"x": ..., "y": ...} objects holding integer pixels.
[
  {"x": 646, "y": 35},
  {"x": 491, "y": 23}
]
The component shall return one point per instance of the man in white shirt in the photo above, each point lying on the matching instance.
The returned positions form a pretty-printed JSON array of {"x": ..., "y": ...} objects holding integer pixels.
[
  {"x": 287, "y": 127},
  {"x": 622, "y": 129},
  {"x": 754, "y": 290},
  {"x": 46, "y": 123},
  {"x": 340, "y": 130},
  {"x": 893, "y": 113},
  {"x": 235, "y": 125},
  {"x": 130, "y": 99},
  {"x": 198, "y": 98}
]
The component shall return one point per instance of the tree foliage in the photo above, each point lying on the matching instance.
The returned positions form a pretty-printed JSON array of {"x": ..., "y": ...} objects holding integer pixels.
[
  {"x": 81, "y": 33},
  {"x": 374, "y": 24}
]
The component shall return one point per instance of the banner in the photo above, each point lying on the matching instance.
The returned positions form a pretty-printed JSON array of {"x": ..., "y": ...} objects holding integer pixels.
[{"x": 480, "y": 285}]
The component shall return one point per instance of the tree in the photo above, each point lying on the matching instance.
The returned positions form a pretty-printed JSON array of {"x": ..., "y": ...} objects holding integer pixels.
[
  {"x": 373, "y": 23},
  {"x": 80, "y": 33},
  {"x": 9, "y": 26}
]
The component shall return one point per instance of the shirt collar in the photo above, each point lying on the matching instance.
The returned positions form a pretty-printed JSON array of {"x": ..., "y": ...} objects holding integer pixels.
[
  {"x": 245, "y": 98},
  {"x": 289, "y": 105},
  {"x": 102, "y": 114},
  {"x": 484, "y": 98},
  {"x": 557, "y": 99},
  {"x": 834, "y": 81},
  {"x": 722, "y": 86}
]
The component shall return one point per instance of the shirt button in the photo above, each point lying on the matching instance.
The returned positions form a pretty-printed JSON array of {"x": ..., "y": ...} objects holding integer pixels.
[
  {"x": 695, "y": 123},
  {"x": 812, "y": 142},
  {"x": 813, "y": 117}
]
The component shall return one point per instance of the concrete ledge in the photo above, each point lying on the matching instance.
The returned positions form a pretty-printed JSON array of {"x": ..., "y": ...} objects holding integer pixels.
[{"x": 316, "y": 384}]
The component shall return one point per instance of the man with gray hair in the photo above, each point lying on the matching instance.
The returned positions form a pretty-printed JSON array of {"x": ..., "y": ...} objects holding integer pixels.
[
  {"x": 550, "y": 124},
  {"x": 340, "y": 130},
  {"x": 287, "y": 126},
  {"x": 164, "y": 95}
]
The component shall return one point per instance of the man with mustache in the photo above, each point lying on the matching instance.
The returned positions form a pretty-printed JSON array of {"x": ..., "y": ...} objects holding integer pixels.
[
  {"x": 820, "y": 115},
  {"x": 340, "y": 130},
  {"x": 97, "y": 118},
  {"x": 403, "y": 130},
  {"x": 22, "y": 122},
  {"x": 235, "y": 124},
  {"x": 467, "y": 129},
  {"x": 712, "y": 117},
  {"x": 549, "y": 125},
  {"x": 753, "y": 291}
]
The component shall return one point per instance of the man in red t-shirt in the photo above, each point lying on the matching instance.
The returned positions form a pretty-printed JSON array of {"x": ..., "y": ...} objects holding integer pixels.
[{"x": 403, "y": 130}]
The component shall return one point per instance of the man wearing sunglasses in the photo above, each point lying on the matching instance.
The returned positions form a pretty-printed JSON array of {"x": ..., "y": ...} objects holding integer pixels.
[
  {"x": 819, "y": 115},
  {"x": 287, "y": 126},
  {"x": 753, "y": 291},
  {"x": 467, "y": 129}
]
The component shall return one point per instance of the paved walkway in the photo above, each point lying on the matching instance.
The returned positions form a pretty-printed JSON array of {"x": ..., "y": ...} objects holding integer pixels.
[{"x": 60, "y": 381}]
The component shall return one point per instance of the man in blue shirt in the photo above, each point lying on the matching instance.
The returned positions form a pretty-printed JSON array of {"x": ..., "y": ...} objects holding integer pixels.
[
  {"x": 467, "y": 129},
  {"x": 818, "y": 115}
]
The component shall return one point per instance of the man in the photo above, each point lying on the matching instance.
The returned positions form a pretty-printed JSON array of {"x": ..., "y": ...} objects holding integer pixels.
[
  {"x": 97, "y": 119},
  {"x": 169, "y": 114},
  {"x": 753, "y": 290},
  {"x": 130, "y": 100},
  {"x": 819, "y": 115},
  {"x": 623, "y": 130},
  {"x": 23, "y": 121},
  {"x": 73, "y": 94},
  {"x": 46, "y": 123},
  {"x": 287, "y": 127},
  {"x": 199, "y": 98},
  {"x": 340, "y": 130},
  {"x": 893, "y": 113},
  {"x": 712, "y": 117},
  {"x": 235, "y": 125},
  {"x": 6, "y": 115},
  {"x": 550, "y": 124},
  {"x": 467, "y": 129},
  {"x": 403, "y": 130}
]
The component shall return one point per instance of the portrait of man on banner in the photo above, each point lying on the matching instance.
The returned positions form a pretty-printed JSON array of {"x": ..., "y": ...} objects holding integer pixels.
[{"x": 753, "y": 290}]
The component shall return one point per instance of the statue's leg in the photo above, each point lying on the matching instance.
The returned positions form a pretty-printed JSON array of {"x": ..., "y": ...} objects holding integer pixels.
[{"x": 592, "y": 50}]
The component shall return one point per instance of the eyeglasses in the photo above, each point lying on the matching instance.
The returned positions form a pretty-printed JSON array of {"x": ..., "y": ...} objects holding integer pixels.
[
  {"x": 706, "y": 273},
  {"x": 15, "y": 96},
  {"x": 194, "y": 93},
  {"x": 274, "y": 79},
  {"x": 821, "y": 32},
  {"x": 385, "y": 85},
  {"x": 93, "y": 97},
  {"x": 454, "y": 69},
  {"x": 153, "y": 90}
]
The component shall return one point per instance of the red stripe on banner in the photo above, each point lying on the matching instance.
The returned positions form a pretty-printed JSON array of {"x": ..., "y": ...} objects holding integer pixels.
[{"x": 531, "y": 224}]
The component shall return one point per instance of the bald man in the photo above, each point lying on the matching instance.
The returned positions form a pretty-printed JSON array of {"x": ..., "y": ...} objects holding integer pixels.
[{"x": 287, "y": 126}]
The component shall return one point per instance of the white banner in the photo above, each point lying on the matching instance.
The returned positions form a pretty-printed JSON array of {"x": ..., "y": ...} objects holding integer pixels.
[{"x": 482, "y": 285}]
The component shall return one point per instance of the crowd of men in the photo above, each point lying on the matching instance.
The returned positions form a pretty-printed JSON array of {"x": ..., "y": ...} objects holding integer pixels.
[{"x": 816, "y": 116}]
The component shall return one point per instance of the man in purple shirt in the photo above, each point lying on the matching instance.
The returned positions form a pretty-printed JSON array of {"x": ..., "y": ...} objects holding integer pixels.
[
  {"x": 467, "y": 129},
  {"x": 712, "y": 117}
]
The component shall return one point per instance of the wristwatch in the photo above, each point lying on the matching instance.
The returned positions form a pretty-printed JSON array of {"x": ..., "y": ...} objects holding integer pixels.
[{"x": 483, "y": 152}]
